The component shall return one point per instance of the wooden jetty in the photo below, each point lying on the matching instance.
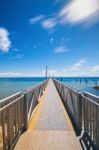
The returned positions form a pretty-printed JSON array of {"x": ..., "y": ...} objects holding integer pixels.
[
  {"x": 50, "y": 128},
  {"x": 50, "y": 116}
]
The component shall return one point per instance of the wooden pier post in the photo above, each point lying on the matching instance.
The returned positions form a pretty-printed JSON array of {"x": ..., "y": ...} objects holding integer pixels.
[{"x": 25, "y": 112}]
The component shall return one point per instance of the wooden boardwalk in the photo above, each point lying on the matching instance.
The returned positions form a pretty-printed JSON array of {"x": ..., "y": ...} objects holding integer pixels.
[{"x": 50, "y": 128}]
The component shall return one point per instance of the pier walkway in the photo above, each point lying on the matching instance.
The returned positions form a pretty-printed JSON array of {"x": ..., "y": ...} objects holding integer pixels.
[{"x": 50, "y": 127}]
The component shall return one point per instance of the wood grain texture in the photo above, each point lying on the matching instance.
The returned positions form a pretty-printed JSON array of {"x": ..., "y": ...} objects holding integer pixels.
[
  {"x": 48, "y": 140},
  {"x": 50, "y": 128}
]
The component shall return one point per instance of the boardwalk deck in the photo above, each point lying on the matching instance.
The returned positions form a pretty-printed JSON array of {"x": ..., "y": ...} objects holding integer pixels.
[{"x": 50, "y": 128}]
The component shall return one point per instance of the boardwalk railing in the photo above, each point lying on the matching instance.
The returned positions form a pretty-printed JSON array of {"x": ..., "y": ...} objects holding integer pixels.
[
  {"x": 31, "y": 97},
  {"x": 90, "y": 121},
  {"x": 15, "y": 114},
  {"x": 72, "y": 101},
  {"x": 83, "y": 109}
]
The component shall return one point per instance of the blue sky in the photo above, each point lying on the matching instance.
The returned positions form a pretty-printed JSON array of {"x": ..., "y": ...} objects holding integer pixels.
[{"x": 64, "y": 35}]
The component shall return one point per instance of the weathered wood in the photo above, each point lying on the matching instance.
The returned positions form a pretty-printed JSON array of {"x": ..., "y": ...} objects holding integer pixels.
[
  {"x": 9, "y": 99},
  {"x": 83, "y": 109},
  {"x": 50, "y": 127},
  {"x": 48, "y": 140},
  {"x": 8, "y": 117},
  {"x": 72, "y": 101},
  {"x": 25, "y": 112},
  {"x": 3, "y": 130},
  {"x": 15, "y": 121},
  {"x": 14, "y": 114},
  {"x": 33, "y": 95}
]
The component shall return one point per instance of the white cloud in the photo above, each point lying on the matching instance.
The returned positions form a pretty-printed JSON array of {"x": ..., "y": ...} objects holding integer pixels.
[
  {"x": 85, "y": 12},
  {"x": 95, "y": 68},
  {"x": 51, "y": 72},
  {"x": 16, "y": 56},
  {"x": 61, "y": 49},
  {"x": 36, "y": 19},
  {"x": 5, "y": 42},
  {"x": 66, "y": 72},
  {"x": 18, "y": 74},
  {"x": 82, "y": 71},
  {"x": 49, "y": 23},
  {"x": 78, "y": 65},
  {"x": 10, "y": 74},
  {"x": 80, "y": 11}
]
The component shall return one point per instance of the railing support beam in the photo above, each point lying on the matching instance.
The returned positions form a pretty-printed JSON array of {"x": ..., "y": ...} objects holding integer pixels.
[{"x": 25, "y": 112}]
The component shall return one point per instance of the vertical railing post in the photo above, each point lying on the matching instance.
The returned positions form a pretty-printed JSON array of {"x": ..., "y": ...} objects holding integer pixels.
[
  {"x": 97, "y": 126},
  {"x": 79, "y": 112},
  {"x": 25, "y": 112}
]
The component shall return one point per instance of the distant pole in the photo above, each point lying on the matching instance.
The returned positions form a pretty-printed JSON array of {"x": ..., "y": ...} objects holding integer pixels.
[{"x": 46, "y": 71}]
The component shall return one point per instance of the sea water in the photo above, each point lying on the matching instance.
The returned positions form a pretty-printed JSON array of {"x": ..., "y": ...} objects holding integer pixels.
[
  {"x": 9, "y": 86},
  {"x": 83, "y": 83}
]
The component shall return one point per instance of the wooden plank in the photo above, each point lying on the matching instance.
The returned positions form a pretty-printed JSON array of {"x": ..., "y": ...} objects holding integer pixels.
[
  {"x": 25, "y": 110},
  {"x": 51, "y": 128},
  {"x": 3, "y": 130},
  {"x": 9, "y": 99},
  {"x": 48, "y": 140}
]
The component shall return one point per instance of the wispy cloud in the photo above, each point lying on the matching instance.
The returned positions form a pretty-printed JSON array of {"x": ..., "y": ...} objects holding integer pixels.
[
  {"x": 84, "y": 12},
  {"x": 19, "y": 74},
  {"x": 80, "y": 12},
  {"x": 51, "y": 72},
  {"x": 49, "y": 23},
  {"x": 66, "y": 72},
  {"x": 61, "y": 49},
  {"x": 81, "y": 69},
  {"x": 16, "y": 56},
  {"x": 95, "y": 69},
  {"x": 36, "y": 19},
  {"x": 5, "y": 42},
  {"x": 78, "y": 65},
  {"x": 10, "y": 74}
]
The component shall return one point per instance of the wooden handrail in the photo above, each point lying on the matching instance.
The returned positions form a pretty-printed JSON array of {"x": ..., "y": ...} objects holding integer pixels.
[
  {"x": 15, "y": 114},
  {"x": 83, "y": 109}
]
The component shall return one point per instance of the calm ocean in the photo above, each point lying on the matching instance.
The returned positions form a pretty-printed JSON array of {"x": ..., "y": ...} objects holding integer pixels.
[
  {"x": 10, "y": 86},
  {"x": 83, "y": 83}
]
